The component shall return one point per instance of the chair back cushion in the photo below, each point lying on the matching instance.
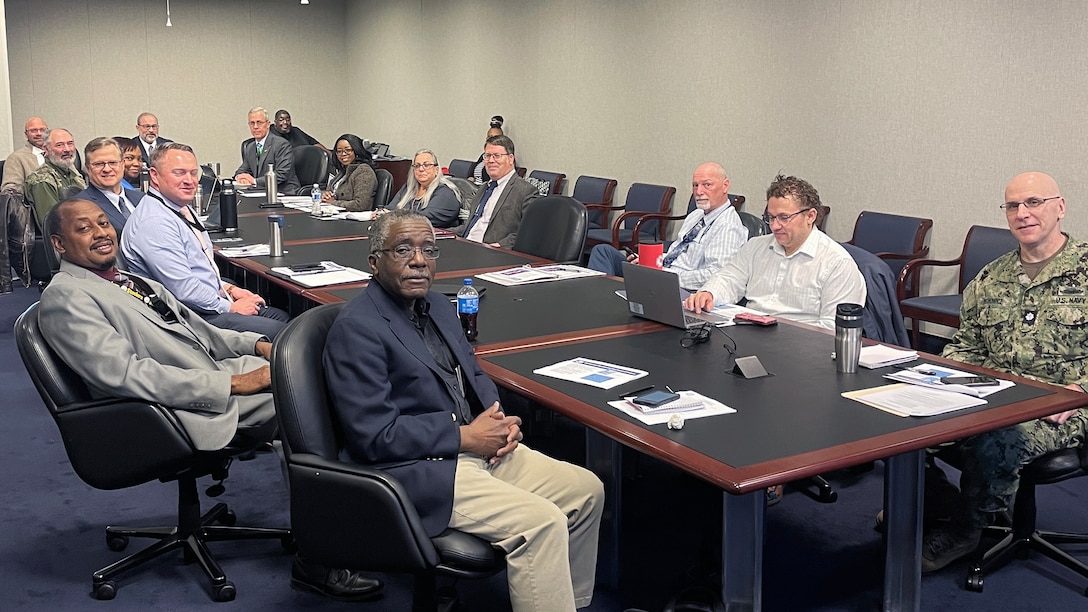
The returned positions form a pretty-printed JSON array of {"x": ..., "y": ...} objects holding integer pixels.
[
  {"x": 311, "y": 165},
  {"x": 460, "y": 168},
  {"x": 382, "y": 188},
  {"x": 755, "y": 225},
  {"x": 595, "y": 190},
  {"x": 553, "y": 227},
  {"x": 298, "y": 384},
  {"x": 878, "y": 232},
  {"x": 554, "y": 179},
  {"x": 644, "y": 197},
  {"x": 983, "y": 245}
]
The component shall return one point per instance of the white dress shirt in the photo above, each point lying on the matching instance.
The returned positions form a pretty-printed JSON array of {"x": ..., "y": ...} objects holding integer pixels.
[
  {"x": 476, "y": 234},
  {"x": 723, "y": 235},
  {"x": 805, "y": 286}
]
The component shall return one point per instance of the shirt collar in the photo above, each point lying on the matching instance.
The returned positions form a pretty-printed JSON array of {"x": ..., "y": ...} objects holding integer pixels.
[{"x": 808, "y": 247}]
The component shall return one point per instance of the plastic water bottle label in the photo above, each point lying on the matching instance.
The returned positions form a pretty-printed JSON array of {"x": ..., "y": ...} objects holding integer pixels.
[{"x": 468, "y": 305}]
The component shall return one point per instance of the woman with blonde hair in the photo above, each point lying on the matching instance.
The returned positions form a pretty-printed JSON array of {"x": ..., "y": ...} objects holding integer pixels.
[{"x": 429, "y": 192}]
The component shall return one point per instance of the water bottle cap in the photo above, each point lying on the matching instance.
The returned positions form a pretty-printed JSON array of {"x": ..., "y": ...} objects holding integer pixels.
[{"x": 468, "y": 281}]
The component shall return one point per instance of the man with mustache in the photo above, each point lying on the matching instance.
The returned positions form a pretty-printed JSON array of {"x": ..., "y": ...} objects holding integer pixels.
[
  {"x": 148, "y": 138},
  {"x": 126, "y": 335},
  {"x": 45, "y": 186},
  {"x": 709, "y": 235},
  {"x": 411, "y": 399}
]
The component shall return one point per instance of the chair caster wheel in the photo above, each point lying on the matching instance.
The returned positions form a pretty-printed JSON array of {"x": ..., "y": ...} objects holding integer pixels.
[
  {"x": 105, "y": 590},
  {"x": 974, "y": 582},
  {"x": 117, "y": 543},
  {"x": 224, "y": 592},
  {"x": 228, "y": 518}
]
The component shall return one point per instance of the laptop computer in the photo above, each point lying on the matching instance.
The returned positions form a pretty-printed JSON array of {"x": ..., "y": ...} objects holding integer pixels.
[
  {"x": 381, "y": 150},
  {"x": 656, "y": 295}
]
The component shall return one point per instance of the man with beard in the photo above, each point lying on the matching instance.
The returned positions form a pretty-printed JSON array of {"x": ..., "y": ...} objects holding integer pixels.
[
  {"x": 45, "y": 186},
  {"x": 126, "y": 335},
  {"x": 710, "y": 234},
  {"x": 148, "y": 127}
]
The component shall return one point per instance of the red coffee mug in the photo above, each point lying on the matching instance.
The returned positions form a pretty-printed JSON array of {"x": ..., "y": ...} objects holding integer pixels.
[{"x": 649, "y": 254}]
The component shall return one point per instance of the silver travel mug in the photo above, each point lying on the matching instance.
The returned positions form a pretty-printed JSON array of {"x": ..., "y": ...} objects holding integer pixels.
[
  {"x": 275, "y": 239},
  {"x": 848, "y": 320}
]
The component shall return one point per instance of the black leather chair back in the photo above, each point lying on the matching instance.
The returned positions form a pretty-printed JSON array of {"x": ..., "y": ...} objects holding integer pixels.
[
  {"x": 311, "y": 166},
  {"x": 553, "y": 227},
  {"x": 460, "y": 168},
  {"x": 112, "y": 443},
  {"x": 383, "y": 189},
  {"x": 755, "y": 225},
  {"x": 983, "y": 245},
  {"x": 298, "y": 384}
]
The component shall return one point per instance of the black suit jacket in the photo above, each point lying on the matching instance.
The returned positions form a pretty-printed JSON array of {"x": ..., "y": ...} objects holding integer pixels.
[
  {"x": 143, "y": 152},
  {"x": 394, "y": 408}
]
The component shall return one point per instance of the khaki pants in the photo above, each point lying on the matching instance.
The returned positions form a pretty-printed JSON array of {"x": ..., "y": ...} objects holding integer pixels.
[{"x": 545, "y": 514}]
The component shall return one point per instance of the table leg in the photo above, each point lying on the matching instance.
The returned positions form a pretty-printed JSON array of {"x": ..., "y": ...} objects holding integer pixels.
[
  {"x": 604, "y": 458},
  {"x": 903, "y": 497},
  {"x": 742, "y": 550}
]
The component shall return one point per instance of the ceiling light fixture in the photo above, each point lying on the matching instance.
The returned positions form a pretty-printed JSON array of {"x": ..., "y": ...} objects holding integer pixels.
[
  {"x": 304, "y": 2},
  {"x": 168, "y": 24}
]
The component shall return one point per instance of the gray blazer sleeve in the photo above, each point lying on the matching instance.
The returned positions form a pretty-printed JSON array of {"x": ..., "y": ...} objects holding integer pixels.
[{"x": 357, "y": 192}]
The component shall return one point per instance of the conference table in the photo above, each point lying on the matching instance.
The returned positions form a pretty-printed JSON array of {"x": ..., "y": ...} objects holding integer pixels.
[{"x": 790, "y": 425}]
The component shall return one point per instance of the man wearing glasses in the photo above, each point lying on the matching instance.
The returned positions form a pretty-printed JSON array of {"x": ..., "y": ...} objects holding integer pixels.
[
  {"x": 412, "y": 400},
  {"x": 147, "y": 126},
  {"x": 798, "y": 272},
  {"x": 496, "y": 209},
  {"x": 263, "y": 149},
  {"x": 105, "y": 171},
  {"x": 1024, "y": 313}
]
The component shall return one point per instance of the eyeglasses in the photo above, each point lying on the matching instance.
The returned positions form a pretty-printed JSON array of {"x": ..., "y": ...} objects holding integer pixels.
[
  {"x": 783, "y": 218},
  {"x": 495, "y": 156},
  {"x": 424, "y": 165},
  {"x": 100, "y": 165},
  {"x": 344, "y": 151},
  {"x": 404, "y": 252},
  {"x": 1030, "y": 203},
  {"x": 149, "y": 126}
]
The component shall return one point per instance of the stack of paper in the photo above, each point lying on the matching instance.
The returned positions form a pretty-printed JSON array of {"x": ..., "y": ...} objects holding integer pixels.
[
  {"x": 910, "y": 400},
  {"x": 878, "y": 356},
  {"x": 934, "y": 376},
  {"x": 251, "y": 250},
  {"x": 330, "y": 273},
  {"x": 524, "y": 275}
]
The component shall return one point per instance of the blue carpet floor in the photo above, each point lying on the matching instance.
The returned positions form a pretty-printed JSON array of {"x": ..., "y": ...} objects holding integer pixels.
[{"x": 817, "y": 556}]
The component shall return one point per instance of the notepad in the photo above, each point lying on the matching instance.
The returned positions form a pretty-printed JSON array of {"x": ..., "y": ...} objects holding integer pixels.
[{"x": 879, "y": 356}]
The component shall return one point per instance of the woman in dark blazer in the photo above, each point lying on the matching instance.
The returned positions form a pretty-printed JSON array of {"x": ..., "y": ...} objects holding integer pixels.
[
  {"x": 428, "y": 192},
  {"x": 353, "y": 181}
]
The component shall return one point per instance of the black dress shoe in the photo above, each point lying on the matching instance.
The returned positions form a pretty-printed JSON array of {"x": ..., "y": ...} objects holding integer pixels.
[{"x": 338, "y": 584}]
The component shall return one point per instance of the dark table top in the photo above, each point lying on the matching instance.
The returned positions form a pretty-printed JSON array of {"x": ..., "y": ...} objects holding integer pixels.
[{"x": 787, "y": 426}]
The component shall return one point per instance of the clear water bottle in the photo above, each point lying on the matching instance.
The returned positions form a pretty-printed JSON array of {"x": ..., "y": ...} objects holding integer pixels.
[
  {"x": 468, "y": 305},
  {"x": 315, "y": 198}
]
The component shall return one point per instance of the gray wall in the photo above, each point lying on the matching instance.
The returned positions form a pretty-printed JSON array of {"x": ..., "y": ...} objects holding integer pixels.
[
  {"x": 95, "y": 65},
  {"x": 922, "y": 107}
]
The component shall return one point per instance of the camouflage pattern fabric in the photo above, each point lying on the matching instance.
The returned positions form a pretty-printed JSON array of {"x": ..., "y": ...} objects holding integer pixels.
[
  {"x": 1034, "y": 328},
  {"x": 44, "y": 186}
]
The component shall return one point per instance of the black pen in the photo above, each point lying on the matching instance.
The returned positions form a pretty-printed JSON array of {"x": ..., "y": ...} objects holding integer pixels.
[{"x": 635, "y": 392}]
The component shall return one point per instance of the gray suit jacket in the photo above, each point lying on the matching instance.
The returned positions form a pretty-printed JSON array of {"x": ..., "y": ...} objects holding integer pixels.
[
  {"x": 506, "y": 217},
  {"x": 122, "y": 348},
  {"x": 277, "y": 152},
  {"x": 117, "y": 220}
]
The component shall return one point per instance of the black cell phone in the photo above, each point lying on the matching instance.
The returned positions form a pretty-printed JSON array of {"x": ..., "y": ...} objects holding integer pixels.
[
  {"x": 310, "y": 267},
  {"x": 655, "y": 398},
  {"x": 981, "y": 380}
]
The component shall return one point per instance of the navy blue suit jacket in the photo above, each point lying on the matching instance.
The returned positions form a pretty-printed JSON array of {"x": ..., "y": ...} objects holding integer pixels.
[
  {"x": 117, "y": 220},
  {"x": 394, "y": 409},
  {"x": 143, "y": 152}
]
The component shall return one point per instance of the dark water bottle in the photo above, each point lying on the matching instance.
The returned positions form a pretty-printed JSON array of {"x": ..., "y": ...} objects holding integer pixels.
[
  {"x": 848, "y": 322},
  {"x": 468, "y": 305},
  {"x": 228, "y": 206}
]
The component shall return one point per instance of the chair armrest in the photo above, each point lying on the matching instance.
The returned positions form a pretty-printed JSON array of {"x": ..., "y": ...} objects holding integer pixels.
[
  {"x": 349, "y": 515},
  {"x": 913, "y": 269},
  {"x": 908, "y": 256},
  {"x": 662, "y": 219}
]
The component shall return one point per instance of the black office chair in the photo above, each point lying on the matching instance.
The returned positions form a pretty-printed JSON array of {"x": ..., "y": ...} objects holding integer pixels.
[
  {"x": 311, "y": 166},
  {"x": 345, "y": 514},
  {"x": 756, "y": 226},
  {"x": 460, "y": 168},
  {"x": 555, "y": 180},
  {"x": 553, "y": 227},
  {"x": 383, "y": 189},
  {"x": 1022, "y": 537},
  {"x": 116, "y": 443}
]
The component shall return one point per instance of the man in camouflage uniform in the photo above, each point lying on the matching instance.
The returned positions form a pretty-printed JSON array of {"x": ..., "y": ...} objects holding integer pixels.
[
  {"x": 43, "y": 188},
  {"x": 1025, "y": 313}
]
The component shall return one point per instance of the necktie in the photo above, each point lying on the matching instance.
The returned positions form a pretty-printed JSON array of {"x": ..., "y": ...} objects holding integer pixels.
[
  {"x": 122, "y": 205},
  {"x": 480, "y": 209},
  {"x": 260, "y": 150},
  {"x": 688, "y": 238}
]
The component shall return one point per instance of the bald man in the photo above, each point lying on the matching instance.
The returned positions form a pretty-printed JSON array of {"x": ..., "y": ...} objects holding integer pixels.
[
  {"x": 1022, "y": 314},
  {"x": 14, "y": 217},
  {"x": 709, "y": 236}
]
